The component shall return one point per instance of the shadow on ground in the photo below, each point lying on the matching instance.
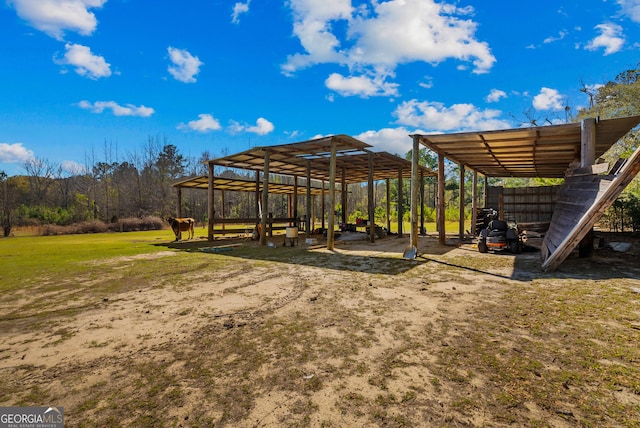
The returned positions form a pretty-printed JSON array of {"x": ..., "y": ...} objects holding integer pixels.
[{"x": 385, "y": 256}]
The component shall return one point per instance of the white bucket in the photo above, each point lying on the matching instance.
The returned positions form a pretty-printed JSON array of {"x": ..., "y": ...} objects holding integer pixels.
[{"x": 291, "y": 232}]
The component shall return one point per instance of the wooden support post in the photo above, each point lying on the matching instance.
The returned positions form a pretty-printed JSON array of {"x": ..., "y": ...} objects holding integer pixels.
[
  {"x": 265, "y": 199},
  {"x": 413, "y": 235},
  {"x": 461, "y": 204},
  {"x": 440, "y": 211},
  {"x": 400, "y": 200},
  {"x": 345, "y": 195},
  {"x": 307, "y": 217},
  {"x": 388, "y": 213},
  {"x": 179, "y": 207},
  {"x": 323, "y": 213},
  {"x": 474, "y": 203},
  {"x": 587, "y": 158},
  {"x": 485, "y": 192},
  {"x": 370, "y": 196},
  {"x": 332, "y": 196},
  {"x": 585, "y": 247},
  {"x": 210, "y": 209},
  {"x": 423, "y": 230},
  {"x": 588, "y": 142},
  {"x": 257, "y": 196},
  {"x": 223, "y": 209},
  {"x": 295, "y": 200},
  {"x": 313, "y": 212}
]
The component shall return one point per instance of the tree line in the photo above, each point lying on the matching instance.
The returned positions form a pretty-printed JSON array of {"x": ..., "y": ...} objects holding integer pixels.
[{"x": 105, "y": 188}]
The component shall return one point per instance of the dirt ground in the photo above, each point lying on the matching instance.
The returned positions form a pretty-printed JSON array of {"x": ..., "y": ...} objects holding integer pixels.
[{"x": 244, "y": 336}]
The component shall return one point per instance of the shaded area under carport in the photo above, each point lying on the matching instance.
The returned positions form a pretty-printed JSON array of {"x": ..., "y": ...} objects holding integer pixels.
[{"x": 557, "y": 151}]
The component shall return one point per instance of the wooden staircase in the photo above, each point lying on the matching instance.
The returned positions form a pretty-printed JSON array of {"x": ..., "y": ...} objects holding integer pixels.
[{"x": 580, "y": 202}]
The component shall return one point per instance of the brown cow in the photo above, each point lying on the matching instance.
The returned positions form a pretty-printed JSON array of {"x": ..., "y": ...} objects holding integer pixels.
[{"x": 179, "y": 225}]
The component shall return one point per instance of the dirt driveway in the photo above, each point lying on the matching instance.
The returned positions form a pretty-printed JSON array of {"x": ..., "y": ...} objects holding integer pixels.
[{"x": 245, "y": 336}]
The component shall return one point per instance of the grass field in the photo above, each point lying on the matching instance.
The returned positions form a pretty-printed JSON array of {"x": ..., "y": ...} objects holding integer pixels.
[
  {"x": 27, "y": 258},
  {"x": 131, "y": 329}
]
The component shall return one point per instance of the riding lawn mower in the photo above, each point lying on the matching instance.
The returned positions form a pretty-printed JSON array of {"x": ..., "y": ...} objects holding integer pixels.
[{"x": 499, "y": 235}]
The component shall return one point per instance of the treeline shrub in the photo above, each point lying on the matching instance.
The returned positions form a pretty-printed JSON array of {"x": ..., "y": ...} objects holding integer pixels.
[
  {"x": 38, "y": 214},
  {"x": 137, "y": 224},
  {"x": 623, "y": 215},
  {"x": 97, "y": 226}
]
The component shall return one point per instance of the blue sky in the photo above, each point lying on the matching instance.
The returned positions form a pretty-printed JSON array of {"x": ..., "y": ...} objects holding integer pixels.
[{"x": 224, "y": 76}]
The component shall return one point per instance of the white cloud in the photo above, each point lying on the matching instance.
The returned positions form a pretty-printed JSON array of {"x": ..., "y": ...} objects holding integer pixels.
[
  {"x": 405, "y": 31},
  {"x": 631, "y": 8},
  {"x": 73, "y": 167},
  {"x": 205, "y": 123},
  {"x": 548, "y": 99},
  {"x": 54, "y": 17},
  {"x": 386, "y": 35},
  {"x": 116, "y": 109},
  {"x": 561, "y": 35},
  {"x": 592, "y": 88},
  {"x": 610, "y": 38},
  {"x": 184, "y": 65},
  {"x": 239, "y": 9},
  {"x": 292, "y": 134},
  {"x": 86, "y": 63},
  {"x": 427, "y": 83},
  {"x": 495, "y": 95},
  {"x": 362, "y": 86},
  {"x": 14, "y": 153},
  {"x": 435, "y": 116},
  {"x": 313, "y": 27},
  {"x": 392, "y": 140},
  {"x": 262, "y": 127}
]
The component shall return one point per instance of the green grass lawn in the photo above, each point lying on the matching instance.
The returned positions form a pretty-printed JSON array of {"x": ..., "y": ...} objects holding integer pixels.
[{"x": 25, "y": 258}]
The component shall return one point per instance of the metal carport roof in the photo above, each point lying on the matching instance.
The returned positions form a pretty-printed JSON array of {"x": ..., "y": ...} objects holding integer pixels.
[
  {"x": 352, "y": 157},
  {"x": 542, "y": 151}
]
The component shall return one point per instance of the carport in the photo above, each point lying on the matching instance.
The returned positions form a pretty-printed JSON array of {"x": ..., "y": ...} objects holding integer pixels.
[
  {"x": 277, "y": 186},
  {"x": 338, "y": 160},
  {"x": 557, "y": 151}
]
